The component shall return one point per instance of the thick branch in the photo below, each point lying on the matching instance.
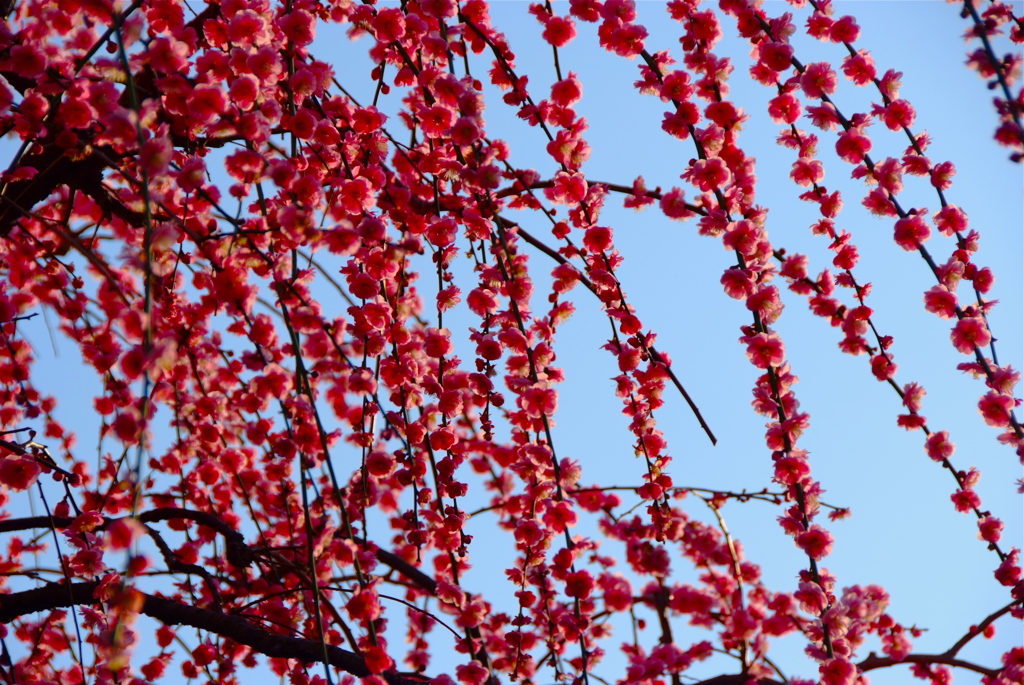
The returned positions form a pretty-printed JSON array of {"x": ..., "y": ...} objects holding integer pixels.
[
  {"x": 875, "y": 662},
  {"x": 172, "y": 613}
]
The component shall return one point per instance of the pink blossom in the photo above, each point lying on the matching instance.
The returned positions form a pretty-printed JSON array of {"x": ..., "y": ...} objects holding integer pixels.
[
  {"x": 598, "y": 238},
  {"x": 811, "y": 597},
  {"x": 995, "y": 408},
  {"x": 248, "y": 27},
  {"x": 911, "y": 232},
  {"x": 18, "y": 473},
  {"x": 625, "y": 40},
  {"x": 559, "y": 31},
  {"x": 883, "y": 367},
  {"x": 207, "y": 103},
  {"x": 585, "y": 10},
  {"x": 539, "y": 401},
  {"x": 122, "y": 533},
  {"x": 737, "y": 283},
  {"x": 709, "y": 174},
  {"x": 846, "y": 258},
  {"x": 816, "y": 542},
  {"x": 784, "y": 109},
  {"x": 579, "y": 585},
  {"x": 26, "y": 61},
  {"x": 776, "y": 56},
  {"x": 1003, "y": 379},
  {"x": 969, "y": 333},
  {"x": 898, "y": 114},
  {"x": 853, "y": 145},
  {"x": 437, "y": 342},
  {"x": 743, "y": 237},
  {"x": 266, "y": 64},
  {"x": 939, "y": 447},
  {"x": 567, "y": 92},
  {"x": 823, "y": 116},
  {"x": 364, "y": 605},
  {"x": 941, "y": 302},
  {"x": 910, "y": 422},
  {"x": 838, "y": 671},
  {"x": 942, "y": 175},
  {"x": 436, "y": 120},
  {"x": 1009, "y": 572},
  {"x": 844, "y": 30},
  {"x": 764, "y": 350},
  {"x": 472, "y": 673},
  {"x": 679, "y": 123},
  {"x": 983, "y": 280},
  {"x": 819, "y": 80},
  {"x": 913, "y": 393},
  {"x": 889, "y": 175},
  {"x": 791, "y": 470},
  {"x": 87, "y": 563},
  {"x": 299, "y": 26},
  {"x": 569, "y": 189},
  {"x": 168, "y": 56},
  {"x": 765, "y": 301},
  {"x": 569, "y": 149},
  {"x": 990, "y": 529},
  {"x": 965, "y": 500},
  {"x": 878, "y": 203},
  {"x": 860, "y": 68},
  {"x": 807, "y": 172},
  {"x": 440, "y": 9}
]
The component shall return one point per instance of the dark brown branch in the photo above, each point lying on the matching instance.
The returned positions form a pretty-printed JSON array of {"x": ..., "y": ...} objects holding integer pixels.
[
  {"x": 172, "y": 613},
  {"x": 875, "y": 662},
  {"x": 977, "y": 630},
  {"x": 406, "y": 569}
]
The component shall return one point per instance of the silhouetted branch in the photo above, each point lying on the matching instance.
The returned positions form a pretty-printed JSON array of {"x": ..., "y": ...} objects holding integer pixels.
[
  {"x": 172, "y": 613},
  {"x": 874, "y": 662}
]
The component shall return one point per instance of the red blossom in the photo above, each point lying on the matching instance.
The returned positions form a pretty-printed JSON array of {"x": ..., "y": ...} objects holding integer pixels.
[
  {"x": 567, "y": 92},
  {"x": 939, "y": 447},
  {"x": 995, "y": 409},
  {"x": 18, "y": 473},
  {"x": 559, "y": 31},
  {"x": 206, "y": 103},
  {"x": 816, "y": 542},
  {"x": 764, "y": 350},
  {"x": 853, "y": 145},
  {"x": 883, "y": 367},
  {"x": 990, "y": 529},
  {"x": 818, "y": 79},
  {"x": 969, "y": 333},
  {"x": 940, "y": 301},
  {"x": 965, "y": 500},
  {"x": 911, "y": 232}
]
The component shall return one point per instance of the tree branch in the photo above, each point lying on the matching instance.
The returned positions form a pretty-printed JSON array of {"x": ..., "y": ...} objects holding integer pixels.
[
  {"x": 874, "y": 662},
  {"x": 172, "y": 613}
]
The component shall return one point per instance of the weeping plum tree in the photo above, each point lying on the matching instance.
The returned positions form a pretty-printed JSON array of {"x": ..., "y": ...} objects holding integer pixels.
[{"x": 296, "y": 443}]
